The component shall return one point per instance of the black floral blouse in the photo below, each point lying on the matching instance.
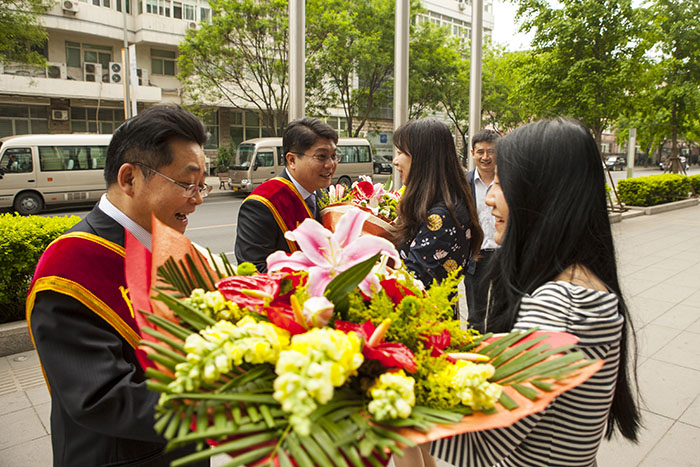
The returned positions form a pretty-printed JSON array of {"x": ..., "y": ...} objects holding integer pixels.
[{"x": 440, "y": 246}]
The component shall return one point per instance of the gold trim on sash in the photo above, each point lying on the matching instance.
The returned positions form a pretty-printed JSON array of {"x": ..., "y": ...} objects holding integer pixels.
[
  {"x": 296, "y": 192},
  {"x": 283, "y": 227},
  {"x": 87, "y": 298}
]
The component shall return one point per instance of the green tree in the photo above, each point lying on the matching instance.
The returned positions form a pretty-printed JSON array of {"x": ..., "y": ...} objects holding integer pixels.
[
  {"x": 240, "y": 57},
  {"x": 675, "y": 95},
  {"x": 503, "y": 104},
  {"x": 586, "y": 54},
  {"x": 20, "y": 31},
  {"x": 434, "y": 59},
  {"x": 352, "y": 48}
]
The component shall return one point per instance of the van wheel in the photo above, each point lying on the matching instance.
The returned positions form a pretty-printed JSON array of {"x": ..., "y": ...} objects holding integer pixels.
[
  {"x": 345, "y": 181},
  {"x": 28, "y": 204}
]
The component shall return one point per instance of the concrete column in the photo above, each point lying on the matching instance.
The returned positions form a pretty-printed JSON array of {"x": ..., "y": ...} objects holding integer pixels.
[{"x": 631, "y": 146}]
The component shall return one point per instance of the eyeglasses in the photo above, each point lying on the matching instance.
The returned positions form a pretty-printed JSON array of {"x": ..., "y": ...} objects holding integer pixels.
[
  {"x": 321, "y": 158},
  {"x": 190, "y": 190},
  {"x": 481, "y": 152}
]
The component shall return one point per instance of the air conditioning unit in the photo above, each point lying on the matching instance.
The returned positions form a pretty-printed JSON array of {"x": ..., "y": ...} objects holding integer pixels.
[
  {"x": 192, "y": 25},
  {"x": 56, "y": 70},
  {"x": 116, "y": 73},
  {"x": 92, "y": 72},
  {"x": 142, "y": 75},
  {"x": 61, "y": 115},
  {"x": 70, "y": 5}
]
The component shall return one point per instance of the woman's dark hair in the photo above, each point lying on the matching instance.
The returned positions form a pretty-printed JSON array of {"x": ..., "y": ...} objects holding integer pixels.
[
  {"x": 145, "y": 138},
  {"x": 301, "y": 134},
  {"x": 552, "y": 178},
  {"x": 436, "y": 175}
]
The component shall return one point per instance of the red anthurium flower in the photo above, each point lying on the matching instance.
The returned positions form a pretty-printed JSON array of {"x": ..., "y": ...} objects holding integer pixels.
[
  {"x": 439, "y": 342},
  {"x": 284, "y": 319},
  {"x": 389, "y": 354},
  {"x": 363, "y": 190},
  {"x": 395, "y": 290},
  {"x": 250, "y": 291}
]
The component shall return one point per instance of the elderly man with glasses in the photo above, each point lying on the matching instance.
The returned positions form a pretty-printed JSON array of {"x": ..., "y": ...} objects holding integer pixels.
[
  {"x": 78, "y": 310},
  {"x": 282, "y": 203}
]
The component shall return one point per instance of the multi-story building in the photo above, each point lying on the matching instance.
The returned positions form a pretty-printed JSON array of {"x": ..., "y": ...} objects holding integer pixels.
[{"x": 82, "y": 89}]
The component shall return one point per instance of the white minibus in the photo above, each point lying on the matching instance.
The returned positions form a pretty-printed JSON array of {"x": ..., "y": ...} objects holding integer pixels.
[
  {"x": 40, "y": 171},
  {"x": 260, "y": 159}
]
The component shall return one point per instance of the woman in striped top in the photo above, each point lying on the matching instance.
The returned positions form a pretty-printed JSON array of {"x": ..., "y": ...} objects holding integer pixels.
[{"x": 556, "y": 270}]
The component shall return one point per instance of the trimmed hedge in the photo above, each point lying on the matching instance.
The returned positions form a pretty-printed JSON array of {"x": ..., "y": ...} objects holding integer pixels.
[
  {"x": 22, "y": 241},
  {"x": 695, "y": 181},
  {"x": 653, "y": 190}
]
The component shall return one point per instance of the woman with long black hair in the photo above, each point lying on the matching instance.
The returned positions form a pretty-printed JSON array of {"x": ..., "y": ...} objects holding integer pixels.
[
  {"x": 556, "y": 269},
  {"x": 437, "y": 228}
]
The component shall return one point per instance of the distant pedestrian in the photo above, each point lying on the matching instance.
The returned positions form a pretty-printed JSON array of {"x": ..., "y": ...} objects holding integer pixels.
[{"x": 480, "y": 180}]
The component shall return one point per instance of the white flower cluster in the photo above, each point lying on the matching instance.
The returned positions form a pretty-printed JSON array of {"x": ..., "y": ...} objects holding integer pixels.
[
  {"x": 472, "y": 385},
  {"x": 392, "y": 396}
]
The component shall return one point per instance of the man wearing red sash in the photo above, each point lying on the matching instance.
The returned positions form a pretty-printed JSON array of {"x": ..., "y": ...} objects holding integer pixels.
[
  {"x": 78, "y": 311},
  {"x": 282, "y": 203}
]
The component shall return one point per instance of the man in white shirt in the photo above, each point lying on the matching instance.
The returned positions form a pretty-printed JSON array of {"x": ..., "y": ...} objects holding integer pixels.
[
  {"x": 282, "y": 203},
  {"x": 83, "y": 328},
  {"x": 481, "y": 179}
]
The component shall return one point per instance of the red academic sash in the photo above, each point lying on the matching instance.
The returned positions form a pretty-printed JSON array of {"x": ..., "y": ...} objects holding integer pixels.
[
  {"x": 285, "y": 203},
  {"x": 89, "y": 269}
]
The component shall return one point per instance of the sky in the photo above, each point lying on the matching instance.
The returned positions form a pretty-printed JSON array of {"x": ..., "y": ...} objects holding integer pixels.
[{"x": 505, "y": 29}]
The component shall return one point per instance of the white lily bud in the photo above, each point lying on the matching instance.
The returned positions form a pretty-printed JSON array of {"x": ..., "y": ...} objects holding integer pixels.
[{"x": 317, "y": 311}]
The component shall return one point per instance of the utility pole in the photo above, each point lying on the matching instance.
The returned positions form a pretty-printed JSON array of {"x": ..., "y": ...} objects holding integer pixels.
[
  {"x": 475, "y": 73},
  {"x": 125, "y": 66},
  {"x": 297, "y": 26},
  {"x": 400, "y": 70}
]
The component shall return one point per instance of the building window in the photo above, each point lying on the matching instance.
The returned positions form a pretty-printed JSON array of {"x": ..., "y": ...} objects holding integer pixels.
[
  {"x": 189, "y": 11},
  {"x": 92, "y": 120},
  {"x": 337, "y": 123},
  {"x": 204, "y": 15},
  {"x": 212, "y": 123},
  {"x": 163, "y": 62},
  {"x": 77, "y": 53},
  {"x": 23, "y": 119}
]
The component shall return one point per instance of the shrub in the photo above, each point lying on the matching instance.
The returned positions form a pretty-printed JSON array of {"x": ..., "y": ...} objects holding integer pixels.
[
  {"x": 22, "y": 241},
  {"x": 695, "y": 181},
  {"x": 224, "y": 156},
  {"x": 653, "y": 190}
]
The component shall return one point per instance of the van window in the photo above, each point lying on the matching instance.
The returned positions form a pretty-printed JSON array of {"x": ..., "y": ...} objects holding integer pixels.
[
  {"x": 354, "y": 154},
  {"x": 266, "y": 159},
  {"x": 55, "y": 158},
  {"x": 17, "y": 160},
  {"x": 281, "y": 160},
  {"x": 243, "y": 156}
]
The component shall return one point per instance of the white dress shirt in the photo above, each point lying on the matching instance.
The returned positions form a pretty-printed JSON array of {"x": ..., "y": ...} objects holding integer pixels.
[
  {"x": 486, "y": 220},
  {"x": 141, "y": 234}
]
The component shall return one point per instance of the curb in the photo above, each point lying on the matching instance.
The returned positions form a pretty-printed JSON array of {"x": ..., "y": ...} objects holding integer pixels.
[{"x": 14, "y": 338}]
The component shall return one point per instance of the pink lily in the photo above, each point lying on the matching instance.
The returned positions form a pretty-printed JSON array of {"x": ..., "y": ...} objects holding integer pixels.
[{"x": 324, "y": 254}]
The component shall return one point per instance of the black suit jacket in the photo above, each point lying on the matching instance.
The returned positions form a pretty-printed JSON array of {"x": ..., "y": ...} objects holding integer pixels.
[
  {"x": 101, "y": 412},
  {"x": 258, "y": 234}
]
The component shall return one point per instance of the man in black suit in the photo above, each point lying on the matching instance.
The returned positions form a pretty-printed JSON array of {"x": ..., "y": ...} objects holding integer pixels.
[
  {"x": 481, "y": 179},
  {"x": 77, "y": 308},
  {"x": 282, "y": 203}
]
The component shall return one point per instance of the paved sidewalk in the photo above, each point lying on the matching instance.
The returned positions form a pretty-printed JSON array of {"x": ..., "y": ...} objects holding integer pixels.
[{"x": 659, "y": 258}]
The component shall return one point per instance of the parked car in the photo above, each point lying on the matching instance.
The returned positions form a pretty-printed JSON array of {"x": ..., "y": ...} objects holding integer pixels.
[
  {"x": 615, "y": 162},
  {"x": 382, "y": 164}
]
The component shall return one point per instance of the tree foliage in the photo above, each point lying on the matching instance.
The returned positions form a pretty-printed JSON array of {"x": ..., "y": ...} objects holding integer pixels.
[
  {"x": 586, "y": 53},
  {"x": 352, "y": 49},
  {"x": 241, "y": 58},
  {"x": 21, "y": 32}
]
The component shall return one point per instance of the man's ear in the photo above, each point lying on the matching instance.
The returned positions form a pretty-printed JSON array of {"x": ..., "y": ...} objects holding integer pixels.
[
  {"x": 291, "y": 159},
  {"x": 126, "y": 177}
]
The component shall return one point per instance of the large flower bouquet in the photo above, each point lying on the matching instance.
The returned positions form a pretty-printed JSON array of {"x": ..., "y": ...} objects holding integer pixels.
[
  {"x": 377, "y": 199},
  {"x": 335, "y": 357}
]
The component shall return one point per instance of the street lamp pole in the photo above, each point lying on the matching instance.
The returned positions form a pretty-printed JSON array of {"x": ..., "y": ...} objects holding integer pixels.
[
  {"x": 400, "y": 70},
  {"x": 125, "y": 66},
  {"x": 296, "y": 59},
  {"x": 475, "y": 73}
]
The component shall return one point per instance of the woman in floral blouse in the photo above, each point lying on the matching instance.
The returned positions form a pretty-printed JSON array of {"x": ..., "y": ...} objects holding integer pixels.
[{"x": 437, "y": 228}]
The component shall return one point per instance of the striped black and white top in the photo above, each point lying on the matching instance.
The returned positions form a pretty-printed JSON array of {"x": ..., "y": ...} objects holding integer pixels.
[{"x": 568, "y": 432}]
